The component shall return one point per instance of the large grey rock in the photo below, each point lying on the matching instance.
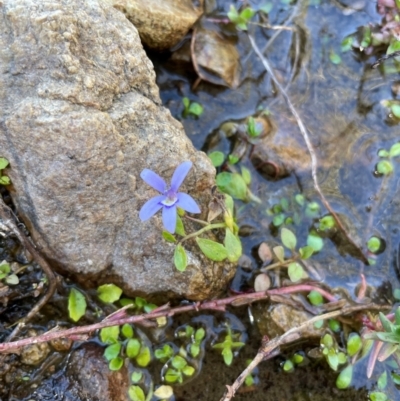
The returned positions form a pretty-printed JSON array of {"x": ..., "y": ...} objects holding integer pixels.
[
  {"x": 161, "y": 24},
  {"x": 80, "y": 118}
]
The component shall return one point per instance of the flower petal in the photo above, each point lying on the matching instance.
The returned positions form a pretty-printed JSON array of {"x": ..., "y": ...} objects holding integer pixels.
[
  {"x": 154, "y": 180},
  {"x": 179, "y": 175},
  {"x": 186, "y": 202},
  {"x": 151, "y": 207},
  {"x": 169, "y": 218}
]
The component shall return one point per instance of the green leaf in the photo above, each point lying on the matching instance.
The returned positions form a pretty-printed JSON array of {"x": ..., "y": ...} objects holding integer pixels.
[
  {"x": 366, "y": 40},
  {"x": 288, "y": 239},
  {"x": 279, "y": 253},
  {"x": 395, "y": 150},
  {"x": 199, "y": 335},
  {"x": 133, "y": 348},
  {"x": 300, "y": 200},
  {"x": 344, "y": 379},
  {"x": 229, "y": 204},
  {"x": 173, "y": 376},
  {"x": 76, "y": 304},
  {"x": 295, "y": 272},
  {"x": 180, "y": 258},
  {"x": 194, "y": 350},
  {"x": 247, "y": 13},
  {"x": 347, "y": 44},
  {"x": 109, "y": 335},
  {"x": 246, "y": 175},
  {"x": 288, "y": 366},
  {"x": 306, "y": 252},
  {"x": 383, "y": 153},
  {"x": 374, "y": 244},
  {"x": 334, "y": 325},
  {"x": 227, "y": 354},
  {"x": 334, "y": 58},
  {"x": 136, "y": 393},
  {"x": 213, "y": 250},
  {"x": 378, "y": 396},
  {"x": 278, "y": 220},
  {"x": 233, "y": 15},
  {"x": 178, "y": 362},
  {"x": 136, "y": 376},
  {"x": 168, "y": 236},
  {"x": 186, "y": 102},
  {"x": 327, "y": 341},
  {"x": 112, "y": 351},
  {"x": 298, "y": 359},
  {"x": 196, "y": 109},
  {"x": 315, "y": 298},
  {"x": 233, "y": 159},
  {"x": 384, "y": 167},
  {"x": 382, "y": 381},
  {"x": 188, "y": 370},
  {"x": 397, "y": 316},
  {"x": 3, "y": 163},
  {"x": 249, "y": 381},
  {"x": 4, "y": 180},
  {"x": 116, "y": 363},
  {"x": 233, "y": 246},
  {"x": 127, "y": 330},
  {"x": 180, "y": 229},
  {"x": 315, "y": 241},
  {"x": 217, "y": 158},
  {"x": 395, "y": 108},
  {"x": 233, "y": 184},
  {"x": 386, "y": 323},
  {"x": 333, "y": 361},
  {"x": 144, "y": 357},
  {"x": 327, "y": 223},
  {"x": 109, "y": 293}
]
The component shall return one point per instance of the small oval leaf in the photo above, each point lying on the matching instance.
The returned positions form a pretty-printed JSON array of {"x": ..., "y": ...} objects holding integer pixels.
[
  {"x": 213, "y": 250},
  {"x": 180, "y": 258},
  {"x": 76, "y": 305}
]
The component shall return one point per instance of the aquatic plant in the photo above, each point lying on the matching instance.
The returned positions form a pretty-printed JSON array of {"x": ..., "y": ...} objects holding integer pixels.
[
  {"x": 191, "y": 108},
  {"x": 4, "y": 180},
  {"x": 170, "y": 199}
]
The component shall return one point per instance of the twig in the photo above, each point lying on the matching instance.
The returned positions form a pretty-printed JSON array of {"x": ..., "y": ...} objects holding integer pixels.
[
  {"x": 384, "y": 58},
  {"x": 7, "y": 216},
  {"x": 270, "y": 348},
  {"x": 118, "y": 318},
  {"x": 314, "y": 160}
]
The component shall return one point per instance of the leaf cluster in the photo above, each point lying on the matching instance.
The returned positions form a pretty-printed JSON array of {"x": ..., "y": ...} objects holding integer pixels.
[
  {"x": 229, "y": 344},
  {"x": 191, "y": 108},
  {"x": 385, "y": 166},
  {"x": 4, "y": 180}
]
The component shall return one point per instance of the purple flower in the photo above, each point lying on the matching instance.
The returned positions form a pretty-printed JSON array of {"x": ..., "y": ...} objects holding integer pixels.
[{"x": 170, "y": 198}]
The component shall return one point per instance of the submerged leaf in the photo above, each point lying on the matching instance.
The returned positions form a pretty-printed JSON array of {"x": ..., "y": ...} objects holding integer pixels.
[{"x": 344, "y": 379}]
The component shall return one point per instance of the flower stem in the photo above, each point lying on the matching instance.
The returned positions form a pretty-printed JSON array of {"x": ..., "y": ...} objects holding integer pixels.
[
  {"x": 204, "y": 229},
  {"x": 202, "y": 222}
]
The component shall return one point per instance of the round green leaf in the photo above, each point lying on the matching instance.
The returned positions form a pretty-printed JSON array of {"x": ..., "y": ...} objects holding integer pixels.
[
  {"x": 109, "y": 335},
  {"x": 136, "y": 393},
  {"x": 354, "y": 344},
  {"x": 133, "y": 348},
  {"x": 395, "y": 107},
  {"x": 395, "y": 149},
  {"x": 127, "y": 330},
  {"x": 306, "y": 252},
  {"x": 295, "y": 272},
  {"x": 335, "y": 58},
  {"x": 4, "y": 180},
  {"x": 217, "y": 158},
  {"x": 109, "y": 293},
  {"x": 144, "y": 357},
  {"x": 3, "y": 163},
  {"x": 233, "y": 246},
  {"x": 327, "y": 223},
  {"x": 213, "y": 250},
  {"x": 200, "y": 333},
  {"x": 194, "y": 350},
  {"x": 383, "y": 153},
  {"x": 344, "y": 379},
  {"x": 112, "y": 351},
  {"x": 173, "y": 376},
  {"x": 196, "y": 109},
  {"x": 278, "y": 219},
  {"x": 288, "y": 366},
  {"x": 315, "y": 241},
  {"x": 232, "y": 184},
  {"x": 315, "y": 298},
  {"x": 136, "y": 376},
  {"x": 188, "y": 370},
  {"x": 178, "y": 362},
  {"x": 76, "y": 304},
  {"x": 378, "y": 396},
  {"x": 384, "y": 167},
  {"x": 116, "y": 363},
  {"x": 374, "y": 244},
  {"x": 180, "y": 258},
  {"x": 334, "y": 325},
  {"x": 288, "y": 239}
]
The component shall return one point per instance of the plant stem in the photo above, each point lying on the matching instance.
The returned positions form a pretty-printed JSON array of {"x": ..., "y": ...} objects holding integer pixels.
[
  {"x": 202, "y": 222},
  {"x": 201, "y": 231}
]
